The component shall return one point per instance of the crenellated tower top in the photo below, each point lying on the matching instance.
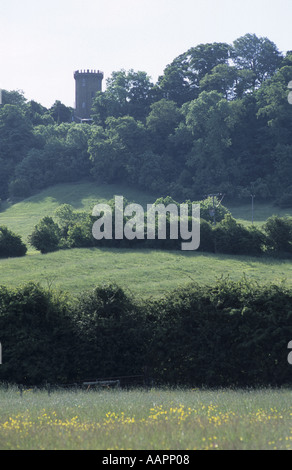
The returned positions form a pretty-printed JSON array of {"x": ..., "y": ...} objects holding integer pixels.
[{"x": 77, "y": 73}]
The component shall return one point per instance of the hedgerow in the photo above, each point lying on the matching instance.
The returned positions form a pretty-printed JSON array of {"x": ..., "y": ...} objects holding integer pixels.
[{"x": 228, "y": 334}]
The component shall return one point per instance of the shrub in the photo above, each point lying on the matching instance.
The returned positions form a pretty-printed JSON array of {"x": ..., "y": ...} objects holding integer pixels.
[
  {"x": 112, "y": 335},
  {"x": 279, "y": 234},
  {"x": 229, "y": 334},
  {"x": 206, "y": 237},
  {"x": 46, "y": 236},
  {"x": 230, "y": 237},
  {"x": 207, "y": 210},
  {"x": 37, "y": 336},
  {"x": 11, "y": 244}
]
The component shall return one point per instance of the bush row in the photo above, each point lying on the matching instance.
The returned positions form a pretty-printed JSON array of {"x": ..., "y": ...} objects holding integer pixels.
[
  {"x": 73, "y": 229},
  {"x": 228, "y": 334}
]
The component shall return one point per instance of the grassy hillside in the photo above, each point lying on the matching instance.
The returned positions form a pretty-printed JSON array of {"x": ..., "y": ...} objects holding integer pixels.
[
  {"x": 144, "y": 272},
  {"x": 23, "y": 216},
  {"x": 262, "y": 211}
]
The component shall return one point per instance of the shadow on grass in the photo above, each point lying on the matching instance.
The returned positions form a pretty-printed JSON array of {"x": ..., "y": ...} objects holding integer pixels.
[{"x": 85, "y": 194}]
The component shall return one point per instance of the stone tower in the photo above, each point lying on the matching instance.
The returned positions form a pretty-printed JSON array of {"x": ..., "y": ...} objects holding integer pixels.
[{"x": 87, "y": 84}]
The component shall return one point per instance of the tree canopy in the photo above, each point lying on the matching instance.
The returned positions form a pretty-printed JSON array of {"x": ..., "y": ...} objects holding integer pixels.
[{"x": 217, "y": 119}]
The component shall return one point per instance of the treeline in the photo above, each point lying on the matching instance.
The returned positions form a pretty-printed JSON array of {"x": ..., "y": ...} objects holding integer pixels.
[
  {"x": 217, "y": 120},
  {"x": 226, "y": 334}
]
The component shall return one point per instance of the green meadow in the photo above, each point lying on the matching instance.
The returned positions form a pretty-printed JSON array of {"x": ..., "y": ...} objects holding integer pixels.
[
  {"x": 21, "y": 217},
  {"x": 142, "y": 272}
]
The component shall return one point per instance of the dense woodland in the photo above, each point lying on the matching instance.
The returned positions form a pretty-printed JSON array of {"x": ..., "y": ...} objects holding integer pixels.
[{"x": 217, "y": 120}]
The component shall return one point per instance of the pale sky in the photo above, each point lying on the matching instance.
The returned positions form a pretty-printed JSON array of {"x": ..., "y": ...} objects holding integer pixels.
[{"x": 44, "y": 41}]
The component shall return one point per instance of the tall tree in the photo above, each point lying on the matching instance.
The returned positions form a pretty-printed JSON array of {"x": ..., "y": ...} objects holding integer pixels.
[
  {"x": 15, "y": 97},
  {"x": 181, "y": 79},
  {"x": 227, "y": 79},
  {"x": 127, "y": 93},
  {"x": 161, "y": 122},
  {"x": 16, "y": 133},
  {"x": 60, "y": 113},
  {"x": 16, "y": 138},
  {"x": 222, "y": 79},
  {"x": 114, "y": 151},
  {"x": 14, "y": 130},
  {"x": 257, "y": 54},
  {"x": 211, "y": 120}
]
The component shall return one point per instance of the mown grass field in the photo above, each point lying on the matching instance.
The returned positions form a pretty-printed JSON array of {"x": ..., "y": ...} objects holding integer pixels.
[
  {"x": 146, "y": 420},
  {"x": 144, "y": 272}
]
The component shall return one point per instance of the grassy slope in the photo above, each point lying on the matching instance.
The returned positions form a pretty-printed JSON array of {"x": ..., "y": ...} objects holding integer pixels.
[
  {"x": 23, "y": 216},
  {"x": 143, "y": 272},
  {"x": 262, "y": 211}
]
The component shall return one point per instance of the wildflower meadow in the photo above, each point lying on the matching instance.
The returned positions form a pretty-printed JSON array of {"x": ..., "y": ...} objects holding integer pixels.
[{"x": 154, "y": 419}]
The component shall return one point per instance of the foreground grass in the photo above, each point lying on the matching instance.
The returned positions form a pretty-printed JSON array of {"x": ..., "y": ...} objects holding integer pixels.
[
  {"x": 141, "y": 420},
  {"x": 143, "y": 272}
]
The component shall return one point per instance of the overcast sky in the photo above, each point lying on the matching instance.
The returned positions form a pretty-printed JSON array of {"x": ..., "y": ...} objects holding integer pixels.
[{"x": 44, "y": 41}]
